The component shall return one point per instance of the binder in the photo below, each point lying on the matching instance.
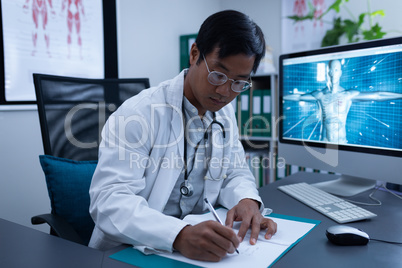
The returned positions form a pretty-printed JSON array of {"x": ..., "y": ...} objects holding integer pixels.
[
  {"x": 281, "y": 169},
  {"x": 266, "y": 113},
  {"x": 235, "y": 105},
  {"x": 255, "y": 166},
  {"x": 261, "y": 126},
  {"x": 255, "y": 169},
  {"x": 256, "y": 113},
  {"x": 260, "y": 164},
  {"x": 185, "y": 45},
  {"x": 281, "y": 173},
  {"x": 267, "y": 164},
  {"x": 244, "y": 112}
]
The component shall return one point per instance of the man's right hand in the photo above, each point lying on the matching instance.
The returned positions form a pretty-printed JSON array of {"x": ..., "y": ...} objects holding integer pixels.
[{"x": 206, "y": 241}]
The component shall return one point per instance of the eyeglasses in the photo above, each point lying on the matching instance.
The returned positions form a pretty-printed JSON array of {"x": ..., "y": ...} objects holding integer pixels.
[{"x": 218, "y": 79}]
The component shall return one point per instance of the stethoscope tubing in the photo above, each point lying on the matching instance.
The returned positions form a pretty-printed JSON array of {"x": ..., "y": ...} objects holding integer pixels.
[{"x": 186, "y": 188}]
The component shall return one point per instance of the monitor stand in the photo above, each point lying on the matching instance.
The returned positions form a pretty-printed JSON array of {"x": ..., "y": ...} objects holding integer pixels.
[{"x": 346, "y": 185}]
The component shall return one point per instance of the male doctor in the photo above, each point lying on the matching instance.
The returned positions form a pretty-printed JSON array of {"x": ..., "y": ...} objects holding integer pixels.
[{"x": 168, "y": 148}]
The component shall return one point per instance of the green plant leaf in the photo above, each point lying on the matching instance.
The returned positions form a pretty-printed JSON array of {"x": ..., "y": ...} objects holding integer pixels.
[
  {"x": 361, "y": 18},
  {"x": 300, "y": 18},
  {"x": 335, "y": 6},
  {"x": 333, "y": 35},
  {"x": 378, "y": 13},
  {"x": 374, "y": 33},
  {"x": 351, "y": 29}
]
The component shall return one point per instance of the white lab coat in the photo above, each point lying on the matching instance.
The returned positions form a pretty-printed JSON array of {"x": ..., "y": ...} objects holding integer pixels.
[{"x": 140, "y": 159}]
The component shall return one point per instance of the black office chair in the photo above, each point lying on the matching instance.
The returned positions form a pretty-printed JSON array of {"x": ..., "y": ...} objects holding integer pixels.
[{"x": 72, "y": 112}]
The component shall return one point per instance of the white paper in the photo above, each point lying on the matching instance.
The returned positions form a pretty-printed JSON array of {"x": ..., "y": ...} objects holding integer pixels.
[{"x": 262, "y": 254}]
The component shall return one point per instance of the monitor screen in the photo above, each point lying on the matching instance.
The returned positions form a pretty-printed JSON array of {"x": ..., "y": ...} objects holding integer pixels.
[{"x": 341, "y": 108}]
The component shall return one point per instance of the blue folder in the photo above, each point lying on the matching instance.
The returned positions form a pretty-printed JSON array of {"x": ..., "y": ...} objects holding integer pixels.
[{"x": 137, "y": 258}]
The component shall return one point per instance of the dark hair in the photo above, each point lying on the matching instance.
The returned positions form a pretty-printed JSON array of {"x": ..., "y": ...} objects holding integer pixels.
[{"x": 233, "y": 33}]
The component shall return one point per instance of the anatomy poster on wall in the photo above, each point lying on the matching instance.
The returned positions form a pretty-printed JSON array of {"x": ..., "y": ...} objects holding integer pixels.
[
  {"x": 59, "y": 37},
  {"x": 306, "y": 34}
]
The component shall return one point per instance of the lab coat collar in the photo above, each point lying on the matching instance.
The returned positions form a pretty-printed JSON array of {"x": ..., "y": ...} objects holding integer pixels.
[{"x": 175, "y": 91}]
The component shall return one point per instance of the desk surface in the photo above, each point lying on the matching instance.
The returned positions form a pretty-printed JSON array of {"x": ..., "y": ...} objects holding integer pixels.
[
  {"x": 316, "y": 251},
  {"x": 21, "y": 246}
]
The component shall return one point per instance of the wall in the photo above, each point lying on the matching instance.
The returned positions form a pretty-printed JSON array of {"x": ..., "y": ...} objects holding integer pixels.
[
  {"x": 151, "y": 48},
  {"x": 149, "y": 33},
  {"x": 390, "y": 23},
  {"x": 22, "y": 185},
  {"x": 148, "y": 47},
  {"x": 267, "y": 14}
]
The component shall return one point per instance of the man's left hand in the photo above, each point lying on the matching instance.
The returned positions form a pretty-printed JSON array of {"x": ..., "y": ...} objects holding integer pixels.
[{"x": 247, "y": 211}]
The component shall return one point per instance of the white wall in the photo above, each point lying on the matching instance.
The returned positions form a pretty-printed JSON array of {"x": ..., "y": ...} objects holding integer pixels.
[
  {"x": 149, "y": 44},
  {"x": 23, "y": 191},
  {"x": 148, "y": 47},
  {"x": 391, "y": 23},
  {"x": 149, "y": 31},
  {"x": 267, "y": 14}
]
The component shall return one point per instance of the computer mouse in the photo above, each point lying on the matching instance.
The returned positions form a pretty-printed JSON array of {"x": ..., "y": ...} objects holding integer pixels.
[{"x": 347, "y": 236}]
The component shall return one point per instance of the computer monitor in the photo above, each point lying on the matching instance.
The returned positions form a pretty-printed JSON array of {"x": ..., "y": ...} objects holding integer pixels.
[{"x": 340, "y": 110}]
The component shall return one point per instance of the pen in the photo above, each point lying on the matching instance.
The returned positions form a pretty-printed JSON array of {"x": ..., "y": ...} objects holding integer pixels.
[{"x": 213, "y": 211}]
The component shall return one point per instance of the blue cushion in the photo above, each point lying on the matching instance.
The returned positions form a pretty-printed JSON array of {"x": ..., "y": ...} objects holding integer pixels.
[{"x": 68, "y": 184}]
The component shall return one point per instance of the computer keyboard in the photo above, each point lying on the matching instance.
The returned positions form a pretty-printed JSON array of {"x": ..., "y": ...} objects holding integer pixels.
[{"x": 331, "y": 206}]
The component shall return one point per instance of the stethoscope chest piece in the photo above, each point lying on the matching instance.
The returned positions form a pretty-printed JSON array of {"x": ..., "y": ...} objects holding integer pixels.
[{"x": 186, "y": 188}]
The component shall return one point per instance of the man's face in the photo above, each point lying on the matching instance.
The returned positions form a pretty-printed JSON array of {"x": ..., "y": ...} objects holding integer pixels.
[{"x": 205, "y": 96}]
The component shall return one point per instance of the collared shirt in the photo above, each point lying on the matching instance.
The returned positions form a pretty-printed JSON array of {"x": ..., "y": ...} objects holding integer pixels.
[{"x": 198, "y": 153}]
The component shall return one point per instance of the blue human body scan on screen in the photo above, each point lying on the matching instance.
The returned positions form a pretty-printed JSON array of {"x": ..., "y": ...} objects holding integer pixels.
[{"x": 350, "y": 99}]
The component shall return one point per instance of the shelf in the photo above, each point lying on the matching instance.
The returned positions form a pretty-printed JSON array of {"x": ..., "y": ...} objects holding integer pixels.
[
  {"x": 259, "y": 148},
  {"x": 262, "y": 75},
  {"x": 251, "y": 138}
]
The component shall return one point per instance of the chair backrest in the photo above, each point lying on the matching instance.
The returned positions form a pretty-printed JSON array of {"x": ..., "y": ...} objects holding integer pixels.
[{"x": 72, "y": 111}]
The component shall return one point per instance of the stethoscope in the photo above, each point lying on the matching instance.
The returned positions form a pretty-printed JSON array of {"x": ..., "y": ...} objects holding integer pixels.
[{"x": 186, "y": 189}]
